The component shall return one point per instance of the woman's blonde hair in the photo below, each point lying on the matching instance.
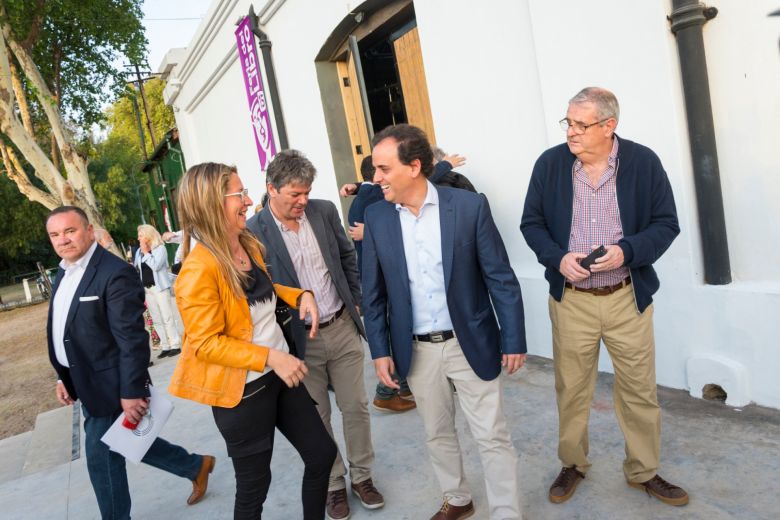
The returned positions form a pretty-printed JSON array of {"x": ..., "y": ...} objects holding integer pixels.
[
  {"x": 151, "y": 234},
  {"x": 200, "y": 206}
]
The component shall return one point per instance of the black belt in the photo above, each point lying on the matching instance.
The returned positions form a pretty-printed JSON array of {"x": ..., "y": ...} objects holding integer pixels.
[
  {"x": 440, "y": 336},
  {"x": 331, "y": 321}
]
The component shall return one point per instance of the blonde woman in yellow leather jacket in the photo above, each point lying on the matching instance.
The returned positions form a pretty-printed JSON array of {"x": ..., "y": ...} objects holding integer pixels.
[{"x": 234, "y": 355}]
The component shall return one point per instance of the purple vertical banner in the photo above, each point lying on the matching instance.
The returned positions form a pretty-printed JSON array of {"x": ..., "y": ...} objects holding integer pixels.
[{"x": 258, "y": 110}]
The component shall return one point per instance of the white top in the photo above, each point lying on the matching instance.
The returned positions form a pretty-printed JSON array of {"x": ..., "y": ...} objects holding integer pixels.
[
  {"x": 74, "y": 272},
  {"x": 422, "y": 248},
  {"x": 266, "y": 331}
]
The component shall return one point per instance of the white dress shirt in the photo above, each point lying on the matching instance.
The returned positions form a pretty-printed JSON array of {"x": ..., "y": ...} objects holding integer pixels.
[
  {"x": 74, "y": 272},
  {"x": 422, "y": 248}
]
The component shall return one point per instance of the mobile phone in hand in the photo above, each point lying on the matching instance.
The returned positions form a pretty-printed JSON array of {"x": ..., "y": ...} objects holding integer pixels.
[{"x": 596, "y": 253}]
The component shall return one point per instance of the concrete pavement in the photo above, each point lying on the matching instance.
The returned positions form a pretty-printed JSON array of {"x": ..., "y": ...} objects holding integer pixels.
[{"x": 726, "y": 458}]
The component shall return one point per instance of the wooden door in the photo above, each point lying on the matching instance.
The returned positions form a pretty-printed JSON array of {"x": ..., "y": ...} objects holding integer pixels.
[
  {"x": 412, "y": 73},
  {"x": 353, "y": 110}
]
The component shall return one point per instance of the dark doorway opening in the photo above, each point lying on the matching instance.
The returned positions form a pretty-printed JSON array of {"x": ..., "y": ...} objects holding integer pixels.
[{"x": 383, "y": 86}]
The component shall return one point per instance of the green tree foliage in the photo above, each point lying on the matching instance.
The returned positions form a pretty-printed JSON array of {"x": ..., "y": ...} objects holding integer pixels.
[
  {"x": 76, "y": 45},
  {"x": 115, "y": 168},
  {"x": 23, "y": 240},
  {"x": 121, "y": 118},
  {"x": 57, "y": 70}
]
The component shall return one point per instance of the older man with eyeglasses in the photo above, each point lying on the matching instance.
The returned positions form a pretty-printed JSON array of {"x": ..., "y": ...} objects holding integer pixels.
[{"x": 598, "y": 189}]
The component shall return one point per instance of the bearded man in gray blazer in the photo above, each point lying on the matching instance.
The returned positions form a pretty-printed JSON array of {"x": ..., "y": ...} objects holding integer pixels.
[{"x": 308, "y": 248}]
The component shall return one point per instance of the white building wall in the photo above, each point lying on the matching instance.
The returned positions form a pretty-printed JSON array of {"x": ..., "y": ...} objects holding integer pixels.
[{"x": 499, "y": 76}]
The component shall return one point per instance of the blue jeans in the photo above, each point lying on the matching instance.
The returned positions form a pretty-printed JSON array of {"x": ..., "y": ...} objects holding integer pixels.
[
  {"x": 385, "y": 392},
  {"x": 107, "y": 469}
]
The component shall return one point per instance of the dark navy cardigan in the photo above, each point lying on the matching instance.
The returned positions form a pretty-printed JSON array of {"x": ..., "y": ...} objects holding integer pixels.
[{"x": 645, "y": 202}]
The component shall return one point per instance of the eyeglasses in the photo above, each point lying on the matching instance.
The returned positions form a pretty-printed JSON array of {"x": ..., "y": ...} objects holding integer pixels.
[
  {"x": 579, "y": 128},
  {"x": 243, "y": 195}
]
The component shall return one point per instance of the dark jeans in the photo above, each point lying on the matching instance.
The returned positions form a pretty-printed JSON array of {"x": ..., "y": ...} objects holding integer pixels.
[
  {"x": 385, "y": 392},
  {"x": 248, "y": 430},
  {"x": 107, "y": 469}
]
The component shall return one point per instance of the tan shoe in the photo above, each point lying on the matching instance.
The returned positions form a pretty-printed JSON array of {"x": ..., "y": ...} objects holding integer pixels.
[
  {"x": 369, "y": 495},
  {"x": 201, "y": 482},
  {"x": 394, "y": 405},
  {"x": 663, "y": 491},
  {"x": 565, "y": 484},
  {"x": 450, "y": 512}
]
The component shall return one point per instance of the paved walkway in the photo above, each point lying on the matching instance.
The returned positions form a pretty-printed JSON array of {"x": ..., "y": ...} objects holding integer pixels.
[{"x": 726, "y": 458}]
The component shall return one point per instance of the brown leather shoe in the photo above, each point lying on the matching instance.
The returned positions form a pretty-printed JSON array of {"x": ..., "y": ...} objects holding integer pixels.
[
  {"x": 201, "y": 482},
  {"x": 450, "y": 512},
  {"x": 369, "y": 495},
  {"x": 564, "y": 486},
  {"x": 337, "y": 507},
  {"x": 408, "y": 395},
  {"x": 394, "y": 405},
  {"x": 663, "y": 491}
]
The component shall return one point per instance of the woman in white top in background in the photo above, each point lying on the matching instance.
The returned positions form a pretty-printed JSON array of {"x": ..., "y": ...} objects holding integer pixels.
[{"x": 151, "y": 261}]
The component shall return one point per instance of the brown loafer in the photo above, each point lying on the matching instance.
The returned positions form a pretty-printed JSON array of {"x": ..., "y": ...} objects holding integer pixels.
[
  {"x": 395, "y": 404},
  {"x": 663, "y": 491},
  {"x": 369, "y": 495},
  {"x": 450, "y": 512},
  {"x": 201, "y": 482},
  {"x": 337, "y": 507},
  {"x": 565, "y": 484}
]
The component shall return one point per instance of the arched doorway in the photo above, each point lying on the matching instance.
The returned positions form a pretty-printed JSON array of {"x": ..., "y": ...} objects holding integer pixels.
[{"x": 371, "y": 75}]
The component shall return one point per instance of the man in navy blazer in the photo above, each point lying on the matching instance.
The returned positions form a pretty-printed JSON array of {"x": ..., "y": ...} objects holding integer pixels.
[
  {"x": 308, "y": 248},
  {"x": 598, "y": 189},
  {"x": 100, "y": 350},
  {"x": 436, "y": 277}
]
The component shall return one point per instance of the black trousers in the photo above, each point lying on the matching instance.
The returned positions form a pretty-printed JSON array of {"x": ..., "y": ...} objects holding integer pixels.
[{"x": 248, "y": 430}]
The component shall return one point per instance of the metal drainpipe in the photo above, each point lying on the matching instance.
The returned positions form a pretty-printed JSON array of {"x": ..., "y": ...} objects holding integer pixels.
[
  {"x": 273, "y": 90},
  {"x": 687, "y": 19}
]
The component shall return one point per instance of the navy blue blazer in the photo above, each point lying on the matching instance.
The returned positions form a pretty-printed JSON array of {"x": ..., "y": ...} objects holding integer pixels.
[
  {"x": 105, "y": 339},
  {"x": 480, "y": 284},
  {"x": 647, "y": 214},
  {"x": 336, "y": 249}
]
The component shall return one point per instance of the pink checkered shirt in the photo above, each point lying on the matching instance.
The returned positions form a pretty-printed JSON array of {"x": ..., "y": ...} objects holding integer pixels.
[
  {"x": 310, "y": 266},
  {"x": 596, "y": 219}
]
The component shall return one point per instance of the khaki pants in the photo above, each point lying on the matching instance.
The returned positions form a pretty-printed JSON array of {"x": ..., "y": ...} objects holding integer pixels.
[
  {"x": 163, "y": 310},
  {"x": 336, "y": 356},
  {"x": 579, "y": 322},
  {"x": 435, "y": 367}
]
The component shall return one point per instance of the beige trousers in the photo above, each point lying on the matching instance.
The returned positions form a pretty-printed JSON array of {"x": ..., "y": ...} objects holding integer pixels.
[
  {"x": 336, "y": 356},
  {"x": 579, "y": 322},
  {"x": 436, "y": 369},
  {"x": 163, "y": 310}
]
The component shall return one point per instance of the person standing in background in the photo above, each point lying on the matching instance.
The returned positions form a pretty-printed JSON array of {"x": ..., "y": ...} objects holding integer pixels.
[{"x": 151, "y": 261}]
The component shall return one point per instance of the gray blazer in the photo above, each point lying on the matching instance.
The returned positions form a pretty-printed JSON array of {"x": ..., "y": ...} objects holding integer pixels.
[{"x": 336, "y": 249}]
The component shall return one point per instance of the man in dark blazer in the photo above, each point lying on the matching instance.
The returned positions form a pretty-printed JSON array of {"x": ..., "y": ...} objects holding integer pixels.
[
  {"x": 435, "y": 276},
  {"x": 100, "y": 350},
  {"x": 307, "y": 247}
]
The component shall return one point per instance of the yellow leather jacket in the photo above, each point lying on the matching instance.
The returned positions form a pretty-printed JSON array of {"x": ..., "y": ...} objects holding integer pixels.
[{"x": 217, "y": 349}]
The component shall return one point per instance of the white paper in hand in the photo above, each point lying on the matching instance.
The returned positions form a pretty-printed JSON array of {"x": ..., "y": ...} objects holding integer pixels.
[{"x": 133, "y": 444}]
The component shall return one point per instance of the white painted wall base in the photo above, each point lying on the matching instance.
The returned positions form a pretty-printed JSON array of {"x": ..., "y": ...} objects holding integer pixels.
[{"x": 722, "y": 371}]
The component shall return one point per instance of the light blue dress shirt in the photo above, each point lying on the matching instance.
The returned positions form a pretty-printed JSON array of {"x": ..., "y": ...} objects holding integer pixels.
[{"x": 422, "y": 248}]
